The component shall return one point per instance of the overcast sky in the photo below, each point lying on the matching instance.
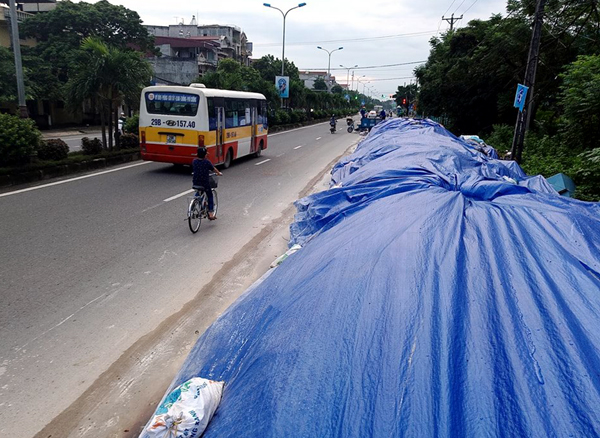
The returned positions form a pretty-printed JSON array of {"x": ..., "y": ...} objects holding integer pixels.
[{"x": 331, "y": 24}]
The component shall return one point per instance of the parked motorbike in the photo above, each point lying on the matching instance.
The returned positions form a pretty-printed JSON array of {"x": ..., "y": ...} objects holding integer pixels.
[{"x": 350, "y": 123}]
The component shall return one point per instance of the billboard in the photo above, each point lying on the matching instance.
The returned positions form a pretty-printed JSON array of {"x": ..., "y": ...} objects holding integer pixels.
[{"x": 283, "y": 86}]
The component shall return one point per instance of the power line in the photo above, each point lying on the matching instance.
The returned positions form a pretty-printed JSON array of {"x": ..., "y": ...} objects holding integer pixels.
[
  {"x": 364, "y": 68},
  {"x": 452, "y": 20},
  {"x": 461, "y": 3},
  {"x": 472, "y": 4},
  {"x": 449, "y": 7},
  {"x": 304, "y": 43},
  {"x": 392, "y": 79}
]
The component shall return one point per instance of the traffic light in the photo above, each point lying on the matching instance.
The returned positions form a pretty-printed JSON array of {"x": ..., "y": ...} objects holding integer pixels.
[{"x": 404, "y": 101}]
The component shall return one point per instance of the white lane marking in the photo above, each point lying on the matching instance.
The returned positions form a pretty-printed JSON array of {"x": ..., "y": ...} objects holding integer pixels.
[
  {"x": 298, "y": 147},
  {"x": 263, "y": 162},
  {"x": 179, "y": 195},
  {"x": 318, "y": 138},
  {"x": 296, "y": 129},
  {"x": 60, "y": 323},
  {"x": 280, "y": 155},
  {"x": 72, "y": 179}
]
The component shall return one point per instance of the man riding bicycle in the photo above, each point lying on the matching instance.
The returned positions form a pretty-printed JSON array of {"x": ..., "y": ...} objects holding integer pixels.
[{"x": 202, "y": 167}]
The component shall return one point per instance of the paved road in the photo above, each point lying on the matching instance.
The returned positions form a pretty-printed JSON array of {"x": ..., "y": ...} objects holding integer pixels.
[
  {"x": 90, "y": 265},
  {"x": 74, "y": 140}
]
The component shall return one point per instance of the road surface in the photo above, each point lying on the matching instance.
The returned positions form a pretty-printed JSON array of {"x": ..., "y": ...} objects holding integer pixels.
[{"x": 91, "y": 265}]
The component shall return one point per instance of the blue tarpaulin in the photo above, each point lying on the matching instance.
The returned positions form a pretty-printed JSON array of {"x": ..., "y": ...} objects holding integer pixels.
[{"x": 438, "y": 293}]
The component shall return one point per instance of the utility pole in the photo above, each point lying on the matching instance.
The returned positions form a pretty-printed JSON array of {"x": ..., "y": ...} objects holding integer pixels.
[
  {"x": 18, "y": 65},
  {"x": 524, "y": 117},
  {"x": 452, "y": 20}
]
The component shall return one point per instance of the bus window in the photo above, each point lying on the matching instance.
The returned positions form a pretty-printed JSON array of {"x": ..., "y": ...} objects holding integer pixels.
[
  {"x": 262, "y": 108},
  {"x": 212, "y": 114},
  {"x": 244, "y": 112},
  {"x": 165, "y": 103},
  {"x": 231, "y": 113}
]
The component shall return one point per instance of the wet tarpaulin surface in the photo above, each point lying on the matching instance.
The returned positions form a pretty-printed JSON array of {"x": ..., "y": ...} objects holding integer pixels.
[{"x": 439, "y": 293}]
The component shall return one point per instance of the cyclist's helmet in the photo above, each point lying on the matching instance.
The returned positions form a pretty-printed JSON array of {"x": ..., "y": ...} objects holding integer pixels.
[{"x": 201, "y": 152}]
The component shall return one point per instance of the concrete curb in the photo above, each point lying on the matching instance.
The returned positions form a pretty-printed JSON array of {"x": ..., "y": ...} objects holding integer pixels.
[{"x": 61, "y": 170}]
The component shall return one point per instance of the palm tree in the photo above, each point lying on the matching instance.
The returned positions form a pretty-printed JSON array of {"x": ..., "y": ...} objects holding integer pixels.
[{"x": 108, "y": 76}]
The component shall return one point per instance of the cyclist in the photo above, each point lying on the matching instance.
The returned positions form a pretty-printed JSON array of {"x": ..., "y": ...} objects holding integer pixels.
[{"x": 202, "y": 167}]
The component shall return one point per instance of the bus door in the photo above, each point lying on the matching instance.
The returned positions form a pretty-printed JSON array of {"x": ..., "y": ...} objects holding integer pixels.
[
  {"x": 220, "y": 132},
  {"x": 254, "y": 119}
]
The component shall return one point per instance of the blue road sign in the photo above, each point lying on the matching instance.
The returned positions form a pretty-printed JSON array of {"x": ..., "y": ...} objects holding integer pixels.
[{"x": 520, "y": 96}]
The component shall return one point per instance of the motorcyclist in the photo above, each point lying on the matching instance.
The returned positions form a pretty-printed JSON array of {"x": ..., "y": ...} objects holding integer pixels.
[
  {"x": 332, "y": 121},
  {"x": 382, "y": 114}
]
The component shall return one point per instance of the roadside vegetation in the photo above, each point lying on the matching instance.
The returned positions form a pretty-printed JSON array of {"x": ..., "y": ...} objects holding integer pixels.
[{"x": 471, "y": 75}]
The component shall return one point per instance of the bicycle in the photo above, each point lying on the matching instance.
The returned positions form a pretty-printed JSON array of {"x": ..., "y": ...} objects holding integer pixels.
[{"x": 198, "y": 207}]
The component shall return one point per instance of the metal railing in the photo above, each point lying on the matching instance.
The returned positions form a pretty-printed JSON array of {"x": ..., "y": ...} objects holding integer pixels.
[{"x": 20, "y": 15}]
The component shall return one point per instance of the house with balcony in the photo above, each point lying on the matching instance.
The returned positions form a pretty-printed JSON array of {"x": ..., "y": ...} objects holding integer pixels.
[
  {"x": 191, "y": 50},
  {"x": 309, "y": 78}
]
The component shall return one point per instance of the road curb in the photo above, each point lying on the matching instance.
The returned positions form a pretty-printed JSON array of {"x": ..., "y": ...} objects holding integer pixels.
[{"x": 61, "y": 170}]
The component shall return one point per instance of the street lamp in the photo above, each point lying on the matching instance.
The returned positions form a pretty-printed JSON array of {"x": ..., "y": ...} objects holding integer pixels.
[
  {"x": 348, "y": 74},
  {"x": 358, "y": 82},
  {"x": 329, "y": 64},
  {"x": 268, "y": 5}
]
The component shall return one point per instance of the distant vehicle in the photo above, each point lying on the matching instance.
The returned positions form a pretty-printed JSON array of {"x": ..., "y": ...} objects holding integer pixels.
[
  {"x": 372, "y": 114},
  {"x": 175, "y": 121},
  {"x": 377, "y": 108}
]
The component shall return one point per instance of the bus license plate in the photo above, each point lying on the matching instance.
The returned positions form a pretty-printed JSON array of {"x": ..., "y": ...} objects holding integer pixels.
[{"x": 171, "y": 139}]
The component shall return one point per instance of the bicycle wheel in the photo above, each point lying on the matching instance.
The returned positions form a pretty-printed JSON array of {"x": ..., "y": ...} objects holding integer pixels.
[
  {"x": 194, "y": 215},
  {"x": 215, "y": 201}
]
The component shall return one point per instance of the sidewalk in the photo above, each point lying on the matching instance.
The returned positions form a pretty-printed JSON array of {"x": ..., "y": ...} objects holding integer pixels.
[{"x": 65, "y": 132}]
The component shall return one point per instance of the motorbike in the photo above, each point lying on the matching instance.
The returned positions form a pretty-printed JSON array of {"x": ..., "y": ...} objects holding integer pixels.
[
  {"x": 332, "y": 128},
  {"x": 350, "y": 123}
]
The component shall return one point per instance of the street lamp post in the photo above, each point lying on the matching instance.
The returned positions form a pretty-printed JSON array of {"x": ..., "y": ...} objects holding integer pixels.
[
  {"x": 14, "y": 25},
  {"x": 358, "y": 82},
  {"x": 329, "y": 64},
  {"x": 268, "y": 5},
  {"x": 348, "y": 74}
]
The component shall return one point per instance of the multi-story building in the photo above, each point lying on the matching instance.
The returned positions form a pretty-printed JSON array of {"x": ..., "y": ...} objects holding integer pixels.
[
  {"x": 191, "y": 50},
  {"x": 35, "y": 6},
  {"x": 309, "y": 77},
  {"x": 5, "y": 31}
]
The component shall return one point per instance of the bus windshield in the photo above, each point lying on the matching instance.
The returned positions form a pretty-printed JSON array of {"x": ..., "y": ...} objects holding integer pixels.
[{"x": 165, "y": 103}]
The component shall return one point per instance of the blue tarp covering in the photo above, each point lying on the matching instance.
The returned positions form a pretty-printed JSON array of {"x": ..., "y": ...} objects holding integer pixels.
[{"x": 439, "y": 293}]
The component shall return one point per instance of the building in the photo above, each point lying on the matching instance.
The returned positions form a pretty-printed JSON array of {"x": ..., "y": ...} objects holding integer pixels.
[
  {"x": 35, "y": 6},
  {"x": 5, "y": 31},
  {"x": 309, "y": 77},
  {"x": 191, "y": 50}
]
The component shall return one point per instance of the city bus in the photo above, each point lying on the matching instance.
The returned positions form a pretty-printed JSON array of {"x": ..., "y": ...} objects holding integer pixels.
[{"x": 176, "y": 120}]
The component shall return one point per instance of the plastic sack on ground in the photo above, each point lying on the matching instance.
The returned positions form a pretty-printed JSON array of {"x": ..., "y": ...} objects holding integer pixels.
[
  {"x": 438, "y": 293},
  {"x": 186, "y": 411}
]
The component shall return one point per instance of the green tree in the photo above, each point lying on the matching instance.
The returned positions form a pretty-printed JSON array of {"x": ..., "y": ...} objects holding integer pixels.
[
  {"x": 60, "y": 33},
  {"x": 319, "y": 84},
  {"x": 408, "y": 92},
  {"x": 337, "y": 89},
  {"x": 8, "y": 90},
  {"x": 109, "y": 76},
  {"x": 581, "y": 101}
]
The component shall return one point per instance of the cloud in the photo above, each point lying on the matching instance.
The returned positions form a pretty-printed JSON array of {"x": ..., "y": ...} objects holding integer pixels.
[{"x": 344, "y": 21}]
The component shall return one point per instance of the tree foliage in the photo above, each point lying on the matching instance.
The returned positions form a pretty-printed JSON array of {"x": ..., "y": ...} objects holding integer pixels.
[
  {"x": 260, "y": 78},
  {"x": 107, "y": 75},
  {"x": 59, "y": 34},
  {"x": 319, "y": 84},
  {"x": 471, "y": 75},
  {"x": 581, "y": 101}
]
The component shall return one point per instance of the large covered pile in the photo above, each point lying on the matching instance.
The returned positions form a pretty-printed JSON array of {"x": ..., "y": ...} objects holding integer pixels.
[{"x": 438, "y": 293}]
